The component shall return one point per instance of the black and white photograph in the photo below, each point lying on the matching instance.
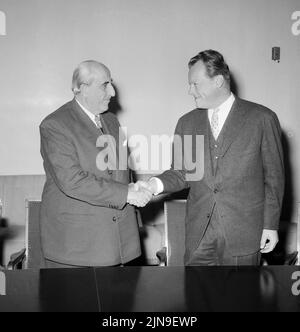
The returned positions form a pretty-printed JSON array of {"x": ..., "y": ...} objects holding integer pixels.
[{"x": 150, "y": 158}]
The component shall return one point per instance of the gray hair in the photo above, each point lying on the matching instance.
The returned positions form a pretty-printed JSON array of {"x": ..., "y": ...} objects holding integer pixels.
[{"x": 85, "y": 74}]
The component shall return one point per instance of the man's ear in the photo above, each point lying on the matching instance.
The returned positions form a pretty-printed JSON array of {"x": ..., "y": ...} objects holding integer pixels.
[
  {"x": 83, "y": 89},
  {"x": 219, "y": 79}
]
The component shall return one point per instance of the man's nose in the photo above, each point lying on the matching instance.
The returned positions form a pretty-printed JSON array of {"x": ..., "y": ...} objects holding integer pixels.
[{"x": 112, "y": 91}]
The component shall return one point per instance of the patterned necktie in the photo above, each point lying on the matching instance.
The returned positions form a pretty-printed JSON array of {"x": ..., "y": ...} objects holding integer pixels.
[
  {"x": 215, "y": 123},
  {"x": 98, "y": 122}
]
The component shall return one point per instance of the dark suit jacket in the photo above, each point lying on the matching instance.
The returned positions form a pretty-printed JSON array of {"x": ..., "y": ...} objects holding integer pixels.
[
  {"x": 84, "y": 216},
  {"x": 248, "y": 184}
]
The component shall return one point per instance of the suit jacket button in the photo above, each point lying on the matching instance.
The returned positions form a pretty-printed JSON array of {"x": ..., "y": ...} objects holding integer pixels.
[
  {"x": 208, "y": 216},
  {"x": 114, "y": 219},
  {"x": 216, "y": 191}
]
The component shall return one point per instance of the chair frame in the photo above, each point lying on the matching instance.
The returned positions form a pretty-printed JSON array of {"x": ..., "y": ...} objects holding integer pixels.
[
  {"x": 19, "y": 260},
  {"x": 165, "y": 253}
]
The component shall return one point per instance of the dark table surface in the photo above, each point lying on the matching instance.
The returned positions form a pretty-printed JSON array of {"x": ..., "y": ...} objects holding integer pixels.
[{"x": 152, "y": 289}]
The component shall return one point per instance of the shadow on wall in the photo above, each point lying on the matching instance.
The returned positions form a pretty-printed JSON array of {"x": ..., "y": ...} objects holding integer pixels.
[
  {"x": 114, "y": 105},
  {"x": 234, "y": 85}
]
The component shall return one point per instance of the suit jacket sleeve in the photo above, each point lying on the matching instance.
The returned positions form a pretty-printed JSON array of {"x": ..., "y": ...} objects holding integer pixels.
[
  {"x": 175, "y": 178},
  {"x": 272, "y": 155},
  {"x": 60, "y": 158}
]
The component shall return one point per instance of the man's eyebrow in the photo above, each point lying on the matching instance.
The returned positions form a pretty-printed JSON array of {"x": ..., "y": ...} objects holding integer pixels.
[{"x": 107, "y": 82}]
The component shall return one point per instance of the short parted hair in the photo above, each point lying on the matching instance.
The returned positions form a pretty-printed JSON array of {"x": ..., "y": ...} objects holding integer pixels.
[
  {"x": 85, "y": 74},
  {"x": 214, "y": 63}
]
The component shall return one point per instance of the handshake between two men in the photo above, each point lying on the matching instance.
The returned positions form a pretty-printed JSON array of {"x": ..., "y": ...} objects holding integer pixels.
[{"x": 141, "y": 192}]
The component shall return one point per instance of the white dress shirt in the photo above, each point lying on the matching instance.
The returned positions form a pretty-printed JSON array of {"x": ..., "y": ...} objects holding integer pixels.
[
  {"x": 224, "y": 110},
  {"x": 223, "y": 113}
]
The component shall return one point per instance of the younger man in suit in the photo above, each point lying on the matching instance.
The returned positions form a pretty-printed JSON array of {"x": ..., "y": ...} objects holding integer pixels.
[{"x": 233, "y": 212}]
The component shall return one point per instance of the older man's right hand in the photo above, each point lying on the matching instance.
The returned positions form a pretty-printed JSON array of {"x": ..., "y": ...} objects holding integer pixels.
[{"x": 138, "y": 195}]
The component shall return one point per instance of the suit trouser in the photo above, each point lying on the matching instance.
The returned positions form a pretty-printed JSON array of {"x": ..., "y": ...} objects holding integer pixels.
[{"x": 213, "y": 249}]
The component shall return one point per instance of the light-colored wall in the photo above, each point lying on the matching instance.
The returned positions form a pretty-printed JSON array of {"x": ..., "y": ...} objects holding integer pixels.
[{"x": 147, "y": 45}]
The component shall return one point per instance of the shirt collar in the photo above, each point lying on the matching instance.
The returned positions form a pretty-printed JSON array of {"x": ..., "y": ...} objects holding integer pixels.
[
  {"x": 87, "y": 112},
  {"x": 227, "y": 104}
]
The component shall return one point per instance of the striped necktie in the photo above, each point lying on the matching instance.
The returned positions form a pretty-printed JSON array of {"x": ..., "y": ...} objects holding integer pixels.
[
  {"x": 98, "y": 122},
  {"x": 215, "y": 123}
]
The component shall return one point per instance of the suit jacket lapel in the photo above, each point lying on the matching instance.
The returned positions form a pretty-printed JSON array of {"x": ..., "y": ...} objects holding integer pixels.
[
  {"x": 233, "y": 125},
  {"x": 203, "y": 129},
  {"x": 109, "y": 130},
  {"x": 83, "y": 118},
  {"x": 112, "y": 132}
]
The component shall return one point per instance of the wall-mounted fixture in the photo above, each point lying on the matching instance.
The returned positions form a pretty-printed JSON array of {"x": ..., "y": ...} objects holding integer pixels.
[
  {"x": 2, "y": 24},
  {"x": 276, "y": 54}
]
